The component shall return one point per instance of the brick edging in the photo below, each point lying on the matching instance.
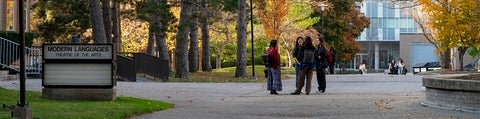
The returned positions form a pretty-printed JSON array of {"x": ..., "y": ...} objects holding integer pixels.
[{"x": 452, "y": 94}]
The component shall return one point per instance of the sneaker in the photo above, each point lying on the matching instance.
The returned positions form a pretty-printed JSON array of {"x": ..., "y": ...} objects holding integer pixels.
[
  {"x": 273, "y": 92},
  {"x": 320, "y": 91}
]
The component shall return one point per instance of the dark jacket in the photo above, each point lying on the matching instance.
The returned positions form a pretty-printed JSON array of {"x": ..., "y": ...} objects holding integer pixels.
[
  {"x": 320, "y": 62},
  {"x": 274, "y": 57},
  {"x": 295, "y": 51}
]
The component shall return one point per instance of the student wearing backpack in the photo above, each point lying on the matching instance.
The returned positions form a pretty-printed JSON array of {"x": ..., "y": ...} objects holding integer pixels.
[
  {"x": 321, "y": 60},
  {"x": 274, "y": 83},
  {"x": 306, "y": 66},
  {"x": 295, "y": 54}
]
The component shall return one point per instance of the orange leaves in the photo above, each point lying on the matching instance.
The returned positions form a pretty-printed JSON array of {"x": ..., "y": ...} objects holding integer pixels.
[
  {"x": 272, "y": 14},
  {"x": 349, "y": 47}
]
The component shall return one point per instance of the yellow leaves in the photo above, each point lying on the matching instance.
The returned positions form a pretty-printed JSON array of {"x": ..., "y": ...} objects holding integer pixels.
[
  {"x": 272, "y": 15},
  {"x": 134, "y": 35},
  {"x": 454, "y": 23}
]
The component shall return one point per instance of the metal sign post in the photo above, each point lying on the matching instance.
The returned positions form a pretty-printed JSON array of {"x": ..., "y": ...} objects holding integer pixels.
[{"x": 21, "y": 111}]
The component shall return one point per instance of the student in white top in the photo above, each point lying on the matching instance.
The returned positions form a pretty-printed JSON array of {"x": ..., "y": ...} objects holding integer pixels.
[
  {"x": 401, "y": 66},
  {"x": 363, "y": 67}
]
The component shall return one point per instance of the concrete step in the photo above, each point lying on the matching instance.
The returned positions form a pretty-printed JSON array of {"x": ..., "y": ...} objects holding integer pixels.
[
  {"x": 5, "y": 76},
  {"x": 3, "y": 72}
]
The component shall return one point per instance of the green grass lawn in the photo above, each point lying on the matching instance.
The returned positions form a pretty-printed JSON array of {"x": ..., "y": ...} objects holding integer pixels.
[
  {"x": 224, "y": 75},
  {"x": 121, "y": 108}
]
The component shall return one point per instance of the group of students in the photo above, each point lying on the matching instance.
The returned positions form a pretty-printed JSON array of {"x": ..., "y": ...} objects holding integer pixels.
[
  {"x": 397, "y": 68},
  {"x": 307, "y": 57}
]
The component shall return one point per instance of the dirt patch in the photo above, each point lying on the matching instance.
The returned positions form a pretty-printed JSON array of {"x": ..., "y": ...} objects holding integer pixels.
[{"x": 383, "y": 104}]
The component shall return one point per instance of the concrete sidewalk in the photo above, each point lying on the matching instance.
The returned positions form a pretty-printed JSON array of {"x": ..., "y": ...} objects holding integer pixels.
[{"x": 347, "y": 96}]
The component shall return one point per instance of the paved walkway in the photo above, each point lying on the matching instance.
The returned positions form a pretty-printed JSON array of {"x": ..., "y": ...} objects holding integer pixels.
[{"x": 347, "y": 96}]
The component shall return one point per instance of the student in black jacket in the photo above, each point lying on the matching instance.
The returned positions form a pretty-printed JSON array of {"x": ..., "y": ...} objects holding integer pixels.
[{"x": 320, "y": 58}]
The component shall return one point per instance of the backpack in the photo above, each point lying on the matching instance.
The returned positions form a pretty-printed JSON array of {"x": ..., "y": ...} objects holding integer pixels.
[
  {"x": 266, "y": 60},
  {"x": 308, "y": 56}
]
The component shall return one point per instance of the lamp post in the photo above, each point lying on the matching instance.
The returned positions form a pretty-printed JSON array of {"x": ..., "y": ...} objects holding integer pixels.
[
  {"x": 21, "y": 111},
  {"x": 251, "y": 32},
  {"x": 323, "y": 6}
]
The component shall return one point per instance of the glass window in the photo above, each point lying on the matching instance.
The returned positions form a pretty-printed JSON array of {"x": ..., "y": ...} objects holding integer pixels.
[
  {"x": 372, "y": 34},
  {"x": 408, "y": 30},
  {"x": 374, "y": 23},
  {"x": 372, "y": 10},
  {"x": 404, "y": 14},
  {"x": 388, "y": 10},
  {"x": 389, "y": 34},
  {"x": 407, "y": 23},
  {"x": 389, "y": 23}
]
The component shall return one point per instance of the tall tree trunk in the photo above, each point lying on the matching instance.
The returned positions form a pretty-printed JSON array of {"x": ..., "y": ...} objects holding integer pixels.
[
  {"x": 181, "y": 54},
  {"x": 151, "y": 37},
  {"x": 152, "y": 34},
  {"x": 107, "y": 19},
  {"x": 116, "y": 26},
  {"x": 289, "y": 58},
  {"x": 206, "y": 65},
  {"x": 241, "y": 70},
  {"x": 218, "y": 60},
  {"x": 220, "y": 49},
  {"x": 160, "y": 35},
  {"x": 461, "y": 53},
  {"x": 97, "y": 22},
  {"x": 445, "y": 59},
  {"x": 193, "y": 52}
]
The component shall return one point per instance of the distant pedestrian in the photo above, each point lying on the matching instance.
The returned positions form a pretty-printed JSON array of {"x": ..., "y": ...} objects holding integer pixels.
[
  {"x": 331, "y": 60},
  {"x": 274, "y": 82},
  {"x": 363, "y": 67},
  {"x": 400, "y": 66},
  {"x": 76, "y": 38},
  {"x": 392, "y": 67}
]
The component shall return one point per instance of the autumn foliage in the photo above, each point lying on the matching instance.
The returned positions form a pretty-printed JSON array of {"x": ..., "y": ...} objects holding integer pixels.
[
  {"x": 272, "y": 14},
  {"x": 350, "y": 51},
  {"x": 453, "y": 24}
]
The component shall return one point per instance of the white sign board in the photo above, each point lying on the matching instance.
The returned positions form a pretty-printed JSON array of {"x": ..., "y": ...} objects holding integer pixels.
[
  {"x": 78, "y": 74},
  {"x": 62, "y": 51}
]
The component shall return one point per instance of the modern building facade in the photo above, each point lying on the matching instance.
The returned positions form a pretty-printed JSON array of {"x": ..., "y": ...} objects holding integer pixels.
[{"x": 392, "y": 34}]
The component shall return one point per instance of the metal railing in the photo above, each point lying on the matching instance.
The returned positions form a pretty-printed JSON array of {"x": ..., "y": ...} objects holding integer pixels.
[
  {"x": 10, "y": 57},
  {"x": 151, "y": 65},
  {"x": 126, "y": 69}
]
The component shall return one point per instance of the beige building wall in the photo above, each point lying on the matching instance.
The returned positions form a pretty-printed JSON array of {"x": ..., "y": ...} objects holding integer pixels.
[
  {"x": 405, "y": 43},
  {"x": 407, "y": 39}
]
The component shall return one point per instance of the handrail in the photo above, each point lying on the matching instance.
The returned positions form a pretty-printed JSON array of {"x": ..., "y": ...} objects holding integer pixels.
[
  {"x": 151, "y": 65},
  {"x": 126, "y": 69},
  {"x": 9, "y": 57}
]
